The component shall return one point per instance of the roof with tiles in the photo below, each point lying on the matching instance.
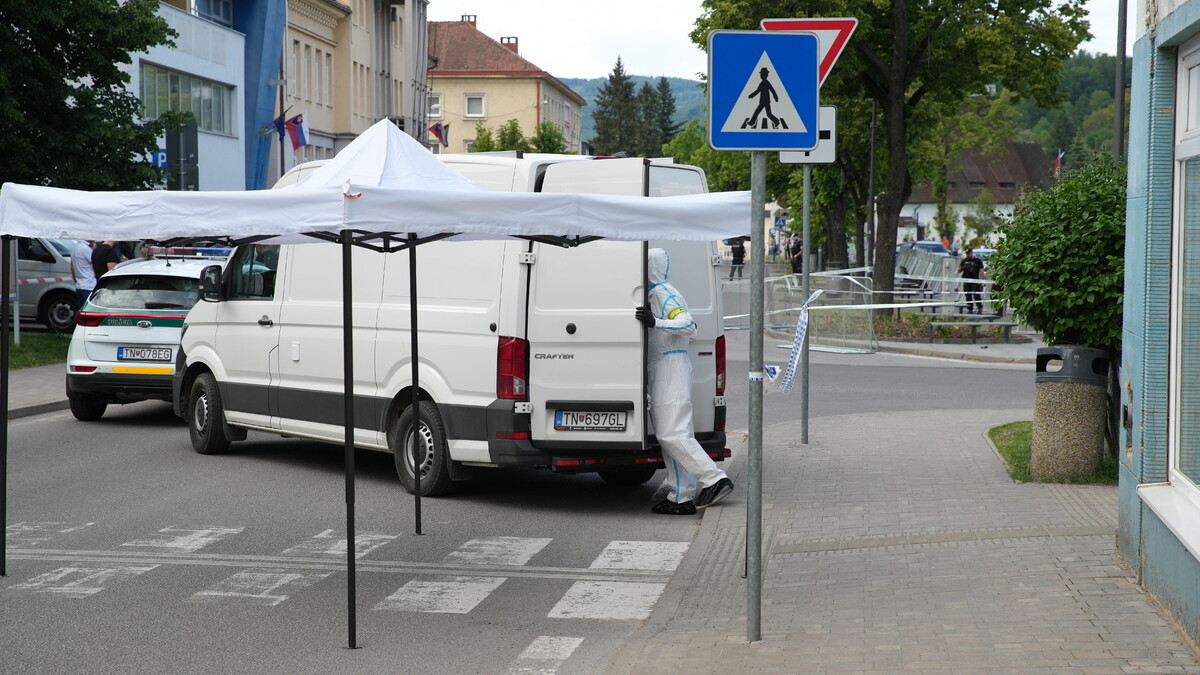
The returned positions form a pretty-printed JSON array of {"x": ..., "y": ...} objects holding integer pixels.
[
  {"x": 459, "y": 48},
  {"x": 1005, "y": 175}
]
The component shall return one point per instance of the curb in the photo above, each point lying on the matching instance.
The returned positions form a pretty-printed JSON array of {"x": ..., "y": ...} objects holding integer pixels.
[
  {"x": 924, "y": 351},
  {"x": 38, "y": 409}
]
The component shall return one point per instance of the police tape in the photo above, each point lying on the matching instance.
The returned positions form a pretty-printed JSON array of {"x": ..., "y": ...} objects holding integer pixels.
[
  {"x": 43, "y": 280},
  {"x": 787, "y": 379}
]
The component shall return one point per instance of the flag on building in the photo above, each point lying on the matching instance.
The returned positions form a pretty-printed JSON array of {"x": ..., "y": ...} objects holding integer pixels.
[
  {"x": 442, "y": 132},
  {"x": 297, "y": 129},
  {"x": 1058, "y": 161}
]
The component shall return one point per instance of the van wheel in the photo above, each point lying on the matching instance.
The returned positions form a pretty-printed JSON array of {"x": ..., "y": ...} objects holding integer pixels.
[
  {"x": 87, "y": 407},
  {"x": 628, "y": 478},
  {"x": 58, "y": 311},
  {"x": 432, "y": 456},
  {"x": 206, "y": 416}
]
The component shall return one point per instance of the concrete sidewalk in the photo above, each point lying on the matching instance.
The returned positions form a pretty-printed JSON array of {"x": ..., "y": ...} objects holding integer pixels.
[{"x": 887, "y": 549}]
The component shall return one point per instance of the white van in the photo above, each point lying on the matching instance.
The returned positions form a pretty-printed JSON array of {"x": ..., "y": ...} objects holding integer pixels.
[
  {"x": 46, "y": 290},
  {"x": 529, "y": 352}
]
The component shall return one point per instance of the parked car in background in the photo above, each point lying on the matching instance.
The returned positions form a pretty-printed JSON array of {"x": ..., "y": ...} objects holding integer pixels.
[
  {"x": 45, "y": 289},
  {"x": 127, "y": 333},
  {"x": 934, "y": 247}
]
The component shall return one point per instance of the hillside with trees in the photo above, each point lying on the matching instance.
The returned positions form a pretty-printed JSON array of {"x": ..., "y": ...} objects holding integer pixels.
[{"x": 690, "y": 101}]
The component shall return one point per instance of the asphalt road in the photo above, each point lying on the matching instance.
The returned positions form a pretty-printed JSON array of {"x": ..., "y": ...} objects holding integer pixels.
[{"x": 130, "y": 553}]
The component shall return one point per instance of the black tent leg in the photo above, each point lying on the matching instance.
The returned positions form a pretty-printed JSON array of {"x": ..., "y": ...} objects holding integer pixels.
[
  {"x": 416, "y": 388},
  {"x": 348, "y": 423},
  {"x": 5, "y": 327}
]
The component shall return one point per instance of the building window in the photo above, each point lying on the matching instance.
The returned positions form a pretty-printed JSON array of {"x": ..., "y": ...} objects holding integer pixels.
[
  {"x": 210, "y": 102},
  {"x": 325, "y": 80},
  {"x": 435, "y": 147},
  {"x": 467, "y": 145},
  {"x": 217, "y": 11},
  {"x": 292, "y": 84},
  {"x": 435, "y": 105},
  {"x": 306, "y": 77},
  {"x": 474, "y": 106}
]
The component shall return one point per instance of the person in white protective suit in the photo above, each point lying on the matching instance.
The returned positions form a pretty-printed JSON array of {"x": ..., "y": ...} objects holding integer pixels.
[{"x": 693, "y": 479}]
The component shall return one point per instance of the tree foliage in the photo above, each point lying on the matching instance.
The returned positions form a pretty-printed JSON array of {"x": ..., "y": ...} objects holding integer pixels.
[
  {"x": 509, "y": 137},
  {"x": 67, "y": 116},
  {"x": 484, "y": 140},
  {"x": 548, "y": 138},
  {"x": 638, "y": 124},
  {"x": 912, "y": 58},
  {"x": 1061, "y": 262}
]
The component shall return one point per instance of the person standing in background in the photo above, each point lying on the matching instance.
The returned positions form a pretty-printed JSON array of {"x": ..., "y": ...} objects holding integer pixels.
[
  {"x": 104, "y": 258},
  {"x": 738, "y": 250},
  {"x": 81, "y": 270}
]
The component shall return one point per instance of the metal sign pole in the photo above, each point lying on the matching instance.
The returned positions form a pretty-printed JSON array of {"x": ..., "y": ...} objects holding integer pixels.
[
  {"x": 807, "y": 269},
  {"x": 758, "y": 190}
]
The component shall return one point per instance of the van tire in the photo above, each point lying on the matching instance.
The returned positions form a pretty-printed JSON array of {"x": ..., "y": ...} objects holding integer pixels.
[
  {"x": 87, "y": 407},
  {"x": 57, "y": 311},
  {"x": 206, "y": 416},
  {"x": 628, "y": 478},
  {"x": 435, "y": 469}
]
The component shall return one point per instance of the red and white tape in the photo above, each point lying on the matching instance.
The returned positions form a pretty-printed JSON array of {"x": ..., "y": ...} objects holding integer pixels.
[{"x": 46, "y": 280}]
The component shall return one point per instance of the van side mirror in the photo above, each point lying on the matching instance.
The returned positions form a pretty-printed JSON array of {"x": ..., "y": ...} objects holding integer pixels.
[{"x": 210, "y": 283}]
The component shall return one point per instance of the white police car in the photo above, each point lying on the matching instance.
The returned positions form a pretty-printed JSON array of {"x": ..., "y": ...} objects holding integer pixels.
[{"x": 127, "y": 333}]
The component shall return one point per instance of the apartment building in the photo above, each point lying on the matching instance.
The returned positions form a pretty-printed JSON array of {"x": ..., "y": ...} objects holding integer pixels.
[
  {"x": 344, "y": 65},
  {"x": 475, "y": 79}
]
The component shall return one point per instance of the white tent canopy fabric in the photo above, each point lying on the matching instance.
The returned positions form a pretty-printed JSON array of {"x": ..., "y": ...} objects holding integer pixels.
[{"x": 402, "y": 189}]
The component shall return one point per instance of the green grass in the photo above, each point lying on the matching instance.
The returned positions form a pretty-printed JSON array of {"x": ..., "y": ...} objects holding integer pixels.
[
  {"x": 37, "y": 350},
  {"x": 1015, "y": 441}
]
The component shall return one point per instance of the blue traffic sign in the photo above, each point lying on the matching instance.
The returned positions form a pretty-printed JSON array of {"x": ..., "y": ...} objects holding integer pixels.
[{"x": 762, "y": 90}]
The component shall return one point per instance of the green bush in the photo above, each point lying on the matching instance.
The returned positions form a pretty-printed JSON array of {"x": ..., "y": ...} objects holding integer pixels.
[{"x": 1061, "y": 263}]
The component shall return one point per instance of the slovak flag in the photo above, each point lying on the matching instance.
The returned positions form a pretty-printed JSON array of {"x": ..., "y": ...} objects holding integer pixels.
[
  {"x": 439, "y": 130},
  {"x": 297, "y": 129},
  {"x": 1058, "y": 161}
]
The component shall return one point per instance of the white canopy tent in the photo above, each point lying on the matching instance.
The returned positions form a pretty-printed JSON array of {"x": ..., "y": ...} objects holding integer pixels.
[{"x": 383, "y": 190}]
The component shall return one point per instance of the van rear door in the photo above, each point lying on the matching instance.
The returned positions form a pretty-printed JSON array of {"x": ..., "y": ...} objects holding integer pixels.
[{"x": 586, "y": 373}]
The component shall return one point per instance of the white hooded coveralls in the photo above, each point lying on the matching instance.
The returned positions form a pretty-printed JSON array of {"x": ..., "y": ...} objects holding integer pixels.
[{"x": 669, "y": 371}]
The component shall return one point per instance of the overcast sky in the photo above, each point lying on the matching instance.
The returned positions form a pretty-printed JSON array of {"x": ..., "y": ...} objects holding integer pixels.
[{"x": 578, "y": 39}]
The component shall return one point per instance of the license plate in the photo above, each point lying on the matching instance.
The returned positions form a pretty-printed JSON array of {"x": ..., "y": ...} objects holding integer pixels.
[
  {"x": 572, "y": 420},
  {"x": 143, "y": 353}
]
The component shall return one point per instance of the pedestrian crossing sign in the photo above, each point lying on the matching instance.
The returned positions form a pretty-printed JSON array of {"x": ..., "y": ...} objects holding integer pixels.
[{"x": 762, "y": 90}]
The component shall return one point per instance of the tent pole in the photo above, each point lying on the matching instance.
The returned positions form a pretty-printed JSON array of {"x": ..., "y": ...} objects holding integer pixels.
[
  {"x": 5, "y": 327},
  {"x": 416, "y": 389},
  {"x": 348, "y": 423}
]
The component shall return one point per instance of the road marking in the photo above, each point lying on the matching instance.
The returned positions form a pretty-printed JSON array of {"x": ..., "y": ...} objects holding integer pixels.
[
  {"x": 20, "y": 535},
  {"x": 327, "y": 544},
  {"x": 607, "y": 600},
  {"x": 330, "y": 564},
  {"x": 544, "y": 655},
  {"x": 497, "y": 551},
  {"x": 663, "y": 556},
  {"x": 445, "y": 595},
  {"x": 80, "y": 582},
  {"x": 259, "y": 586},
  {"x": 184, "y": 541}
]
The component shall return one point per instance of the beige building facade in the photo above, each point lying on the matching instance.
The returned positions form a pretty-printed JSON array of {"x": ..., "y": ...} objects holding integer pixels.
[
  {"x": 347, "y": 65},
  {"x": 474, "y": 79}
]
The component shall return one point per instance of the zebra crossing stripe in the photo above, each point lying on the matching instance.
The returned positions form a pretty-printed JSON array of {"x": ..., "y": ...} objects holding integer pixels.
[
  {"x": 179, "y": 540},
  {"x": 21, "y": 535},
  {"x": 328, "y": 544},
  {"x": 443, "y": 595},
  {"x": 497, "y": 551},
  {"x": 607, "y": 600},
  {"x": 661, "y": 556},
  {"x": 259, "y": 586},
  {"x": 80, "y": 582},
  {"x": 544, "y": 655}
]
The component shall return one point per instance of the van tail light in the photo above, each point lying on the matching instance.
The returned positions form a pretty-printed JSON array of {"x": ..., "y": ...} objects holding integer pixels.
[
  {"x": 720, "y": 349},
  {"x": 512, "y": 368},
  {"x": 90, "y": 319}
]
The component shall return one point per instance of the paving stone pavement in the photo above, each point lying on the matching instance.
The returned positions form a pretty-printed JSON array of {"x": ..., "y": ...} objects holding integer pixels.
[{"x": 896, "y": 542}]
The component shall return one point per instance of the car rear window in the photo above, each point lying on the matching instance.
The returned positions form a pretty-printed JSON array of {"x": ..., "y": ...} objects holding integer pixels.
[{"x": 146, "y": 292}]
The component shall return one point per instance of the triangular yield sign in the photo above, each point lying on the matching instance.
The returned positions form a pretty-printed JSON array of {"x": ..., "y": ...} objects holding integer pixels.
[{"x": 832, "y": 35}]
